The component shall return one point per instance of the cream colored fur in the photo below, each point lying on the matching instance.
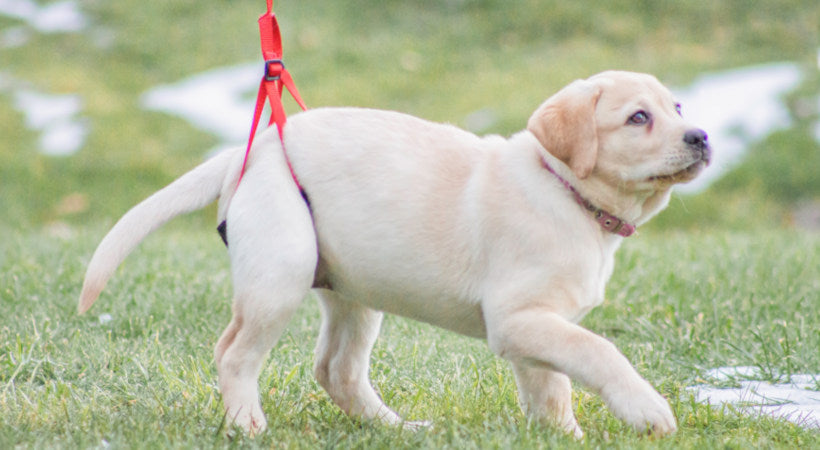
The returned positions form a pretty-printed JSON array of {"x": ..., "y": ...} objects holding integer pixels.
[{"x": 430, "y": 222}]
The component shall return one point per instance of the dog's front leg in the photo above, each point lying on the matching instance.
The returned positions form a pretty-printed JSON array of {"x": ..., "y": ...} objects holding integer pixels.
[
  {"x": 542, "y": 338},
  {"x": 546, "y": 395}
]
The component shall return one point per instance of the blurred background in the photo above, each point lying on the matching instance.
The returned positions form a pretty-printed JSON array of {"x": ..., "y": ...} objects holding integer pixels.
[{"x": 103, "y": 102}]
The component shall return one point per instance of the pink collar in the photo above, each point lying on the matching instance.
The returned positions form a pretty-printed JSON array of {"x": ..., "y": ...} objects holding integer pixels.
[{"x": 607, "y": 221}]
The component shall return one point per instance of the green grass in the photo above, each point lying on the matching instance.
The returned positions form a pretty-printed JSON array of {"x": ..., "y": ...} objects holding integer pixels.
[
  {"x": 721, "y": 278},
  {"x": 678, "y": 305}
]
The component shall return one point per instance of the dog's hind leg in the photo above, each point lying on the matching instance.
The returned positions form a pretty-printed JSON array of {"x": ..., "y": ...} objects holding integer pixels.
[
  {"x": 273, "y": 254},
  {"x": 546, "y": 395},
  {"x": 348, "y": 333}
]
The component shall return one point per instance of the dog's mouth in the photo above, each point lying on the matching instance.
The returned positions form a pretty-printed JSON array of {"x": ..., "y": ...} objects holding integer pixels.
[{"x": 686, "y": 174}]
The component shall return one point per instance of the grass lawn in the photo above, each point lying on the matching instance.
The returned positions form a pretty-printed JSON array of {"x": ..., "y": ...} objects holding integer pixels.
[{"x": 678, "y": 305}]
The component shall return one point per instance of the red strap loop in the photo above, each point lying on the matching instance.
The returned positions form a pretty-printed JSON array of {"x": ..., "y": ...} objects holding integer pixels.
[{"x": 273, "y": 80}]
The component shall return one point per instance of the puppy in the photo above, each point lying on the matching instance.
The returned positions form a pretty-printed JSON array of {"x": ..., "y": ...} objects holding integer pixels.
[{"x": 507, "y": 240}]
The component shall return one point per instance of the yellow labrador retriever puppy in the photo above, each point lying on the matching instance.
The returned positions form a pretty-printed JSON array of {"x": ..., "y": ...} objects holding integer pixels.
[{"x": 508, "y": 240}]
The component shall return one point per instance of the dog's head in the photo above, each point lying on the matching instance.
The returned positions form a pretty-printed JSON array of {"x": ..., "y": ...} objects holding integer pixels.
[{"x": 624, "y": 128}]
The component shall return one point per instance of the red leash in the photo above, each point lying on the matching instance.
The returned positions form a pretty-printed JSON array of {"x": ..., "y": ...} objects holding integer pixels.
[{"x": 274, "y": 79}]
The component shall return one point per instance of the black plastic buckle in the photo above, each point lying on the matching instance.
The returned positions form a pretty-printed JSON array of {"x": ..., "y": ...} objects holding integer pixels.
[{"x": 268, "y": 76}]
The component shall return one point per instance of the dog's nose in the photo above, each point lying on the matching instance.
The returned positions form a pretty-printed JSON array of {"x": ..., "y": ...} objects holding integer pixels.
[
  {"x": 696, "y": 138},
  {"x": 697, "y": 141}
]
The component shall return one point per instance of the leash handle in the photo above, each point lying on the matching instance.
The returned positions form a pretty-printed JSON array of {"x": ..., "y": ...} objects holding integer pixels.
[{"x": 275, "y": 79}]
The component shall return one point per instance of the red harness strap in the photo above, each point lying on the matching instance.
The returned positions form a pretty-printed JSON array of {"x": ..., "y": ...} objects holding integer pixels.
[{"x": 274, "y": 79}]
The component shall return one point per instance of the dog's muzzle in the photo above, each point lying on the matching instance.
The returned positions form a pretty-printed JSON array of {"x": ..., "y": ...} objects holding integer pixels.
[{"x": 698, "y": 141}]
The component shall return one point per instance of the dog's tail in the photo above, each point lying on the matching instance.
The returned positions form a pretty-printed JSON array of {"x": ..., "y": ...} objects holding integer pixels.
[{"x": 194, "y": 190}]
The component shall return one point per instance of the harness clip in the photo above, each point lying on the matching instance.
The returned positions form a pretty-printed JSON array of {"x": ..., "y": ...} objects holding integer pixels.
[{"x": 268, "y": 63}]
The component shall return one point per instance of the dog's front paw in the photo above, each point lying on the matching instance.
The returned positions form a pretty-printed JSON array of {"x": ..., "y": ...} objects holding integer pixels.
[{"x": 642, "y": 407}]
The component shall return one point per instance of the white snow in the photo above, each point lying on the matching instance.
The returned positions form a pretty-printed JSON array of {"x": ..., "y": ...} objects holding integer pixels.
[
  {"x": 797, "y": 401},
  {"x": 56, "y": 117},
  {"x": 219, "y": 101},
  {"x": 60, "y": 17}
]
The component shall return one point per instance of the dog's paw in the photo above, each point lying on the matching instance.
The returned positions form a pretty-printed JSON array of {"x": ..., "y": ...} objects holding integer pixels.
[
  {"x": 250, "y": 420},
  {"x": 574, "y": 430},
  {"x": 642, "y": 407},
  {"x": 653, "y": 416},
  {"x": 416, "y": 425}
]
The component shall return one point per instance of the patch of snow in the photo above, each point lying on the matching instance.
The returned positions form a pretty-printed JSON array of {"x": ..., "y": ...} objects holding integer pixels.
[
  {"x": 797, "y": 401},
  {"x": 42, "y": 109},
  {"x": 733, "y": 373},
  {"x": 20, "y": 9},
  {"x": 737, "y": 108},
  {"x": 56, "y": 117},
  {"x": 63, "y": 138},
  {"x": 60, "y": 17},
  {"x": 219, "y": 101}
]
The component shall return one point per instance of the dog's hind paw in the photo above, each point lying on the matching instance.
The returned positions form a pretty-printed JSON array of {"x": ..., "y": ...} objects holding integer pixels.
[
  {"x": 416, "y": 425},
  {"x": 251, "y": 422},
  {"x": 574, "y": 430}
]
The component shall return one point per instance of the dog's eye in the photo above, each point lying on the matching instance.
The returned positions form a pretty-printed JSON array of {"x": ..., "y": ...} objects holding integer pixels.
[
  {"x": 639, "y": 118},
  {"x": 677, "y": 108}
]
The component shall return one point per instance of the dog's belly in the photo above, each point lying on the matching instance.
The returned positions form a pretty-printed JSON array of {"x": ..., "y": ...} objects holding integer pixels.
[{"x": 454, "y": 314}]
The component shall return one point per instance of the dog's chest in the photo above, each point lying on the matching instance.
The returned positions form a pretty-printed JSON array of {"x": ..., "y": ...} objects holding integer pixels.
[
  {"x": 592, "y": 285},
  {"x": 593, "y": 288}
]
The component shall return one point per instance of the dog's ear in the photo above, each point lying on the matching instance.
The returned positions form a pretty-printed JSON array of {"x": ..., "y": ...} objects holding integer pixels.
[{"x": 565, "y": 126}]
